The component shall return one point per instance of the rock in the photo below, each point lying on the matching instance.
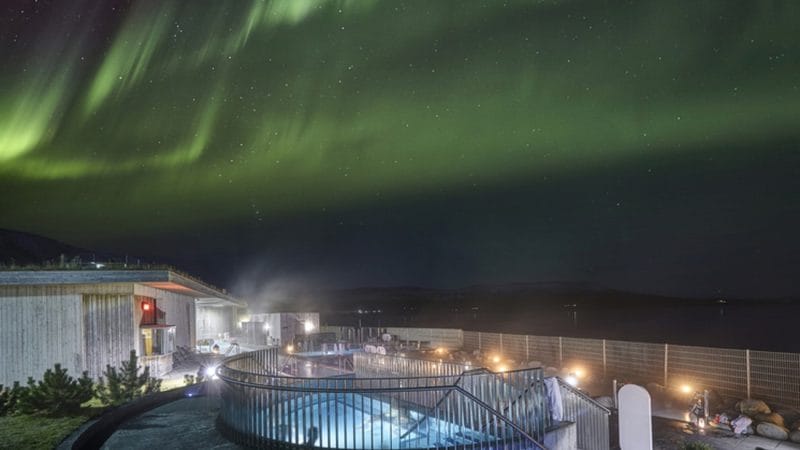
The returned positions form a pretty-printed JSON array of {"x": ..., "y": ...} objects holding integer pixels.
[
  {"x": 790, "y": 419},
  {"x": 752, "y": 407},
  {"x": 794, "y": 436},
  {"x": 606, "y": 401},
  {"x": 773, "y": 418},
  {"x": 772, "y": 431}
]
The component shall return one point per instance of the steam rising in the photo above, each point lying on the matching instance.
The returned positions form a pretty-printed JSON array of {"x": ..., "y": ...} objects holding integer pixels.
[{"x": 267, "y": 288}]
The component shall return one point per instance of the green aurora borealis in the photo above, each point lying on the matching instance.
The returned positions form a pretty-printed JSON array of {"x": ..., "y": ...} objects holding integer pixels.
[{"x": 160, "y": 118}]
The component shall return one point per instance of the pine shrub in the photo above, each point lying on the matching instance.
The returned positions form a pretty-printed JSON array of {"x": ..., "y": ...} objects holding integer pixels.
[
  {"x": 56, "y": 394},
  {"x": 118, "y": 386},
  {"x": 9, "y": 398}
]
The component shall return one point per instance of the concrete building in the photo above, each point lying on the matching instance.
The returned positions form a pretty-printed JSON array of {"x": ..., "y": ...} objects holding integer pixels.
[{"x": 86, "y": 319}]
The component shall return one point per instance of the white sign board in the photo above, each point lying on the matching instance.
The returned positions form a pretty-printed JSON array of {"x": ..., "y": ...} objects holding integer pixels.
[{"x": 635, "y": 418}]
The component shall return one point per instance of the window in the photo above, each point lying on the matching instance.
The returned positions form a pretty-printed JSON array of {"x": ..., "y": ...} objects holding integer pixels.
[{"x": 158, "y": 340}]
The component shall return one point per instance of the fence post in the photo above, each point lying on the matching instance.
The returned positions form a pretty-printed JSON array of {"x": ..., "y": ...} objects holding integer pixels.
[
  {"x": 747, "y": 364},
  {"x": 479, "y": 341},
  {"x": 666, "y": 364},
  {"x": 560, "y": 353},
  {"x": 527, "y": 352},
  {"x": 604, "y": 358}
]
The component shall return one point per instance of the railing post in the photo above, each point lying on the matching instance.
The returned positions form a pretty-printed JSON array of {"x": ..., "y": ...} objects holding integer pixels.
[
  {"x": 560, "y": 353},
  {"x": 604, "y": 358},
  {"x": 666, "y": 364},
  {"x": 479, "y": 341},
  {"x": 747, "y": 363},
  {"x": 527, "y": 349}
]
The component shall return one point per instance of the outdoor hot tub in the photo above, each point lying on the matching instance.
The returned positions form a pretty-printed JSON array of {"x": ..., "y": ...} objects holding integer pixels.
[{"x": 385, "y": 402}]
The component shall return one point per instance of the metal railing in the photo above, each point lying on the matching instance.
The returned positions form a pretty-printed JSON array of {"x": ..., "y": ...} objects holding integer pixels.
[
  {"x": 518, "y": 394},
  {"x": 470, "y": 410},
  {"x": 590, "y": 418},
  {"x": 159, "y": 365},
  {"x": 429, "y": 337},
  {"x": 376, "y": 365},
  {"x": 770, "y": 376}
]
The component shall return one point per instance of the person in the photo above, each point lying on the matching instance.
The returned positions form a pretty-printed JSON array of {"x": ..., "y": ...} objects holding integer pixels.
[
  {"x": 311, "y": 436},
  {"x": 698, "y": 409}
]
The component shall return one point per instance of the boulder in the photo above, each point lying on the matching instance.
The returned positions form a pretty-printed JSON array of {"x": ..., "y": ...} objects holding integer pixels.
[
  {"x": 773, "y": 418},
  {"x": 606, "y": 401},
  {"x": 752, "y": 407},
  {"x": 791, "y": 422},
  {"x": 772, "y": 431},
  {"x": 794, "y": 436}
]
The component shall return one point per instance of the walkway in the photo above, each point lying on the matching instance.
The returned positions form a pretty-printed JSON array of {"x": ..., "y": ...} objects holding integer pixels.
[{"x": 184, "y": 424}]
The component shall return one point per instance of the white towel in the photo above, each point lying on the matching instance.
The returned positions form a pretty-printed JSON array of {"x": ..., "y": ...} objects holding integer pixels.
[
  {"x": 740, "y": 424},
  {"x": 554, "y": 399}
]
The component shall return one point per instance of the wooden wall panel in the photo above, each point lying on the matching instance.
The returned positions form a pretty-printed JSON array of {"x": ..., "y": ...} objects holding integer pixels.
[
  {"x": 38, "y": 328},
  {"x": 82, "y": 326},
  {"x": 109, "y": 331}
]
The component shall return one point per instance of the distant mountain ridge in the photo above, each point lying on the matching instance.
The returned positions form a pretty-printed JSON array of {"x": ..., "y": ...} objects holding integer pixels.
[
  {"x": 559, "y": 295},
  {"x": 18, "y": 248},
  {"x": 556, "y": 291}
]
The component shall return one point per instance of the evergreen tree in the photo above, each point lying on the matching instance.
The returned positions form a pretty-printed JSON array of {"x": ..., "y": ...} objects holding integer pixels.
[
  {"x": 9, "y": 397},
  {"x": 118, "y": 386},
  {"x": 56, "y": 393}
]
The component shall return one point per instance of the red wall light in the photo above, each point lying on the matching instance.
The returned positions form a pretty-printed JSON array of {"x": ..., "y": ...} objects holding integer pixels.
[{"x": 145, "y": 306}]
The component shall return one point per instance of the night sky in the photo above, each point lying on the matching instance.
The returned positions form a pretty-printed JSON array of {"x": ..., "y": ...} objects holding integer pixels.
[{"x": 651, "y": 146}]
